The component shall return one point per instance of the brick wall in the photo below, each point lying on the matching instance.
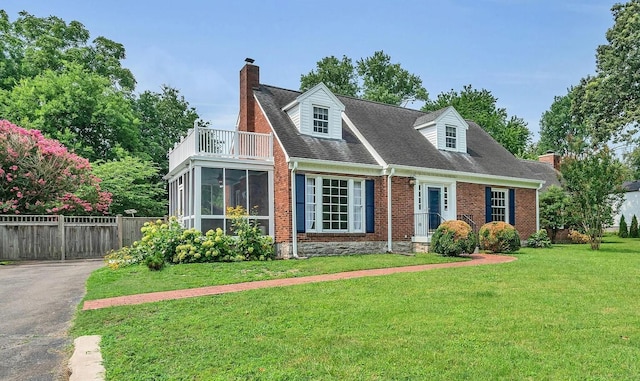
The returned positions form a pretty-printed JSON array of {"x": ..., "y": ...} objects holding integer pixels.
[
  {"x": 471, "y": 200},
  {"x": 402, "y": 208}
]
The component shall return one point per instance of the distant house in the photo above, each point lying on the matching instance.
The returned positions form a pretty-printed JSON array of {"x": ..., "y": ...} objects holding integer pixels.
[
  {"x": 631, "y": 204},
  {"x": 329, "y": 174}
]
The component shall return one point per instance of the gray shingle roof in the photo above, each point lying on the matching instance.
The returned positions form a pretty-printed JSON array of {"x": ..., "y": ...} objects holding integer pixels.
[
  {"x": 543, "y": 171},
  {"x": 348, "y": 150},
  {"x": 390, "y": 130}
]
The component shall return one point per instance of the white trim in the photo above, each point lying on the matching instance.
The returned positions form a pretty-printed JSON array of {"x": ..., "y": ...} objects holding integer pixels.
[
  {"x": 338, "y": 167},
  {"x": 364, "y": 141},
  {"x": 307, "y": 94},
  {"x": 484, "y": 179}
]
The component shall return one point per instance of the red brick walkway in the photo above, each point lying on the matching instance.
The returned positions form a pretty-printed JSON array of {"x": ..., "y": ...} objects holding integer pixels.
[{"x": 476, "y": 260}]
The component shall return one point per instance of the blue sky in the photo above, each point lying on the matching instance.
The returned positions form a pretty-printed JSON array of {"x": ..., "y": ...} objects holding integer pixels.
[{"x": 524, "y": 51}]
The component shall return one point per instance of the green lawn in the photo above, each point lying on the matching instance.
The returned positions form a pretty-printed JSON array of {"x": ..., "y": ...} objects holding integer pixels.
[
  {"x": 564, "y": 313},
  {"x": 138, "y": 279}
]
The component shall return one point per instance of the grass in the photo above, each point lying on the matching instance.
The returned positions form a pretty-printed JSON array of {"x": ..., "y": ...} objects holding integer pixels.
[
  {"x": 565, "y": 313},
  {"x": 138, "y": 279}
]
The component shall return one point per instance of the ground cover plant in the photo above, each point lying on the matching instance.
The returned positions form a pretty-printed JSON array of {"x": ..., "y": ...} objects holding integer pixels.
[{"x": 559, "y": 313}]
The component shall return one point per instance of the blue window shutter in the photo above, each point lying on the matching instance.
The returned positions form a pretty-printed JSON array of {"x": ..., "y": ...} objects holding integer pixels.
[
  {"x": 370, "y": 206},
  {"x": 300, "y": 209},
  {"x": 512, "y": 207},
  {"x": 487, "y": 204}
]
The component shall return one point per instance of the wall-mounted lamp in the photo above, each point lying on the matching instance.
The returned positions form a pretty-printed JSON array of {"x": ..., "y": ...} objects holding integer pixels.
[
  {"x": 412, "y": 181},
  {"x": 220, "y": 183}
]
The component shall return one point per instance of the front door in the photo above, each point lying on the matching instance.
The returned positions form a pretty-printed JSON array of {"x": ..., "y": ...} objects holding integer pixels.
[{"x": 433, "y": 203}]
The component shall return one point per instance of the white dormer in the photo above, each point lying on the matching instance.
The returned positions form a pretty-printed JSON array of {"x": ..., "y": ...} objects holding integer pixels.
[
  {"x": 446, "y": 129},
  {"x": 317, "y": 112}
]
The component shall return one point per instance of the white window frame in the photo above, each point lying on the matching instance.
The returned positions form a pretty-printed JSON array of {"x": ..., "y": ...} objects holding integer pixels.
[
  {"x": 450, "y": 141},
  {"x": 323, "y": 129},
  {"x": 505, "y": 192},
  {"x": 353, "y": 207}
]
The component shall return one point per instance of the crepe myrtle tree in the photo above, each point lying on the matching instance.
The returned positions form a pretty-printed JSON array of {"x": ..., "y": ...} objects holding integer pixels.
[{"x": 40, "y": 176}]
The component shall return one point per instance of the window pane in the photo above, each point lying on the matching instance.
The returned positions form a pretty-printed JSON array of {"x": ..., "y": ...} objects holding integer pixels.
[
  {"x": 235, "y": 187},
  {"x": 336, "y": 206},
  {"x": 211, "y": 192},
  {"x": 211, "y": 224},
  {"x": 311, "y": 204},
  {"x": 259, "y": 193}
]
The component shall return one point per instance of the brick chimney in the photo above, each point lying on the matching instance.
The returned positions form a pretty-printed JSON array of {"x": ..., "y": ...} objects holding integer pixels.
[
  {"x": 249, "y": 79},
  {"x": 550, "y": 158}
]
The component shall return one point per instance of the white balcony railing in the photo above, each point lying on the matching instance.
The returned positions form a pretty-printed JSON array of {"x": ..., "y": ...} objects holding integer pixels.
[{"x": 222, "y": 144}]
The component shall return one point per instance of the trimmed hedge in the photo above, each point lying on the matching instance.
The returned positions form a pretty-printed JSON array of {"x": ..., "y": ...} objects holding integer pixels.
[
  {"x": 499, "y": 237},
  {"x": 453, "y": 238}
]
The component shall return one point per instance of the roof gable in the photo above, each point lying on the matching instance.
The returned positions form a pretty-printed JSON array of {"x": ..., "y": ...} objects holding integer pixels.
[{"x": 317, "y": 112}]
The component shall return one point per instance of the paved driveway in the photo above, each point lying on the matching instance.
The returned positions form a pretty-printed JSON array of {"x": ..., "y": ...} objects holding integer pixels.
[{"x": 37, "y": 303}]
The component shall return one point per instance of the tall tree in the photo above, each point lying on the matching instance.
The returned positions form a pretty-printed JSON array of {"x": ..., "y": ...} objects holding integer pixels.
[
  {"x": 339, "y": 76},
  {"x": 79, "y": 108},
  {"x": 481, "y": 107},
  {"x": 386, "y": 82},
  {"x": 558, "y": 127},
  {"x": 32, "y": 45},
  {"x": 374, "y": 78},
  {"x": 133, "y": 184},
  {"x": 593, "y": 177},
  {"x": 609, "y": 101},
  {"x": 164, "y": 118}
]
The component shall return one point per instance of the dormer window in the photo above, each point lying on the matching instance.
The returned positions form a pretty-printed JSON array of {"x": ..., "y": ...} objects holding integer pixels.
[
  {"x": 450, "y": 138},
  {"x": 320, "y": 120},
  {"x": 317, "y": 112}
]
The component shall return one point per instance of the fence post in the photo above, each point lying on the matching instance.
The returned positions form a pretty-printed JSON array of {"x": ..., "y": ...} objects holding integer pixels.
[
  {"x": 119, "y": 222},
  {"x": 63, "y": 241}
]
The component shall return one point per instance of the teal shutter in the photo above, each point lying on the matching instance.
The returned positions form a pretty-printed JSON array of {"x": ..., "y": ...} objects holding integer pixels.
[
  {"x": 487, "y": 204},
  {"x": 370, "y": 206},
  {"x": 512, "y": 207},
  {"x": 300, "y": 209}
]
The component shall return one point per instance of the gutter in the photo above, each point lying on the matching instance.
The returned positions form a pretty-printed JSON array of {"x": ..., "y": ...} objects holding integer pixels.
[
  {"x": 538, "y": 206},
  {"x": 389, "y": 215},
  {"x": 294, "y": 230}
]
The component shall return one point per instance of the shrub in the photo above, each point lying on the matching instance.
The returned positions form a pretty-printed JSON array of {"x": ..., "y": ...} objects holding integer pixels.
[
  {"x": 453, "y": 238},
  {"x": 623, "y": 232},
  {"x": 539, "y": 239},
  {"x": 214, "y": 246},
  {"x": 122, "y": 257},
  {"x": 499, "y": 237},
  {"x": 249, "y": 241},
  {"x": 577, "y": 237},
  {"x": 159, "y": 238},
  {"x": 633, "y": 230}
]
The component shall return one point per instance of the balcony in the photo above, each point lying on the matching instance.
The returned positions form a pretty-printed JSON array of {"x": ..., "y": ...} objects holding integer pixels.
[{"x": 221, "y": 144}]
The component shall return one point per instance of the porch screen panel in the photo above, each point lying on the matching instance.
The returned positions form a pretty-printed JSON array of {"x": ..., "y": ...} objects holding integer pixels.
[
  {"x": 211, "y": 201},
  {"x": 235, "y": 188},
  {"x": 259, "y": 193}
]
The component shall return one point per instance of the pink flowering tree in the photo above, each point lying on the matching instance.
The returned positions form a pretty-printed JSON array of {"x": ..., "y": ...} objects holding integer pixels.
[{"x": 40, "y": 176}]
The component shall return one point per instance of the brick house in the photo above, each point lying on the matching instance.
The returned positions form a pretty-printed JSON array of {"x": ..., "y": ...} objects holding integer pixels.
[{"x": 327, "y": 174}]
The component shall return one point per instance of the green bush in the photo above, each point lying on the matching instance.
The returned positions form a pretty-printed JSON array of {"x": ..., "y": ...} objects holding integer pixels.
[
  {"x": 633, "y": 230},
  {"x": 623, "y": 232},
  {"x": 249, "y": 242},
  {"x": 539, "y": 239},
  {"x": 453, "y": 238},
  {"x": 499, "y": 237},
  {"x": 165, "y": 242}
]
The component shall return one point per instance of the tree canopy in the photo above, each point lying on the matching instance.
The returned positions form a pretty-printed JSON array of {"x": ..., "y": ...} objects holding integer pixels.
[
  {"x": 558, "y": 126},
  {"x": 481, "y": 107},
  {"x": 373, "y": 78},
  {"x": 609, "y": 101},
  {"x": 54, "y": 79},
  {"x": 39, "y": 176}
]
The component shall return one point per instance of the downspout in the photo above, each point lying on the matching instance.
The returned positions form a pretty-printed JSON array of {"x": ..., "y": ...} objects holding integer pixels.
[
  {"x": 294, "y": 230},
  {"x": 538, "y": 207},
  {"x": 389, "y": 216}
]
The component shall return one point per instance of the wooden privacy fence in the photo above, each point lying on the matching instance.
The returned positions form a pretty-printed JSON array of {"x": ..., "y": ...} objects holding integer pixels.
[{"x": 66, "y": 237}]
